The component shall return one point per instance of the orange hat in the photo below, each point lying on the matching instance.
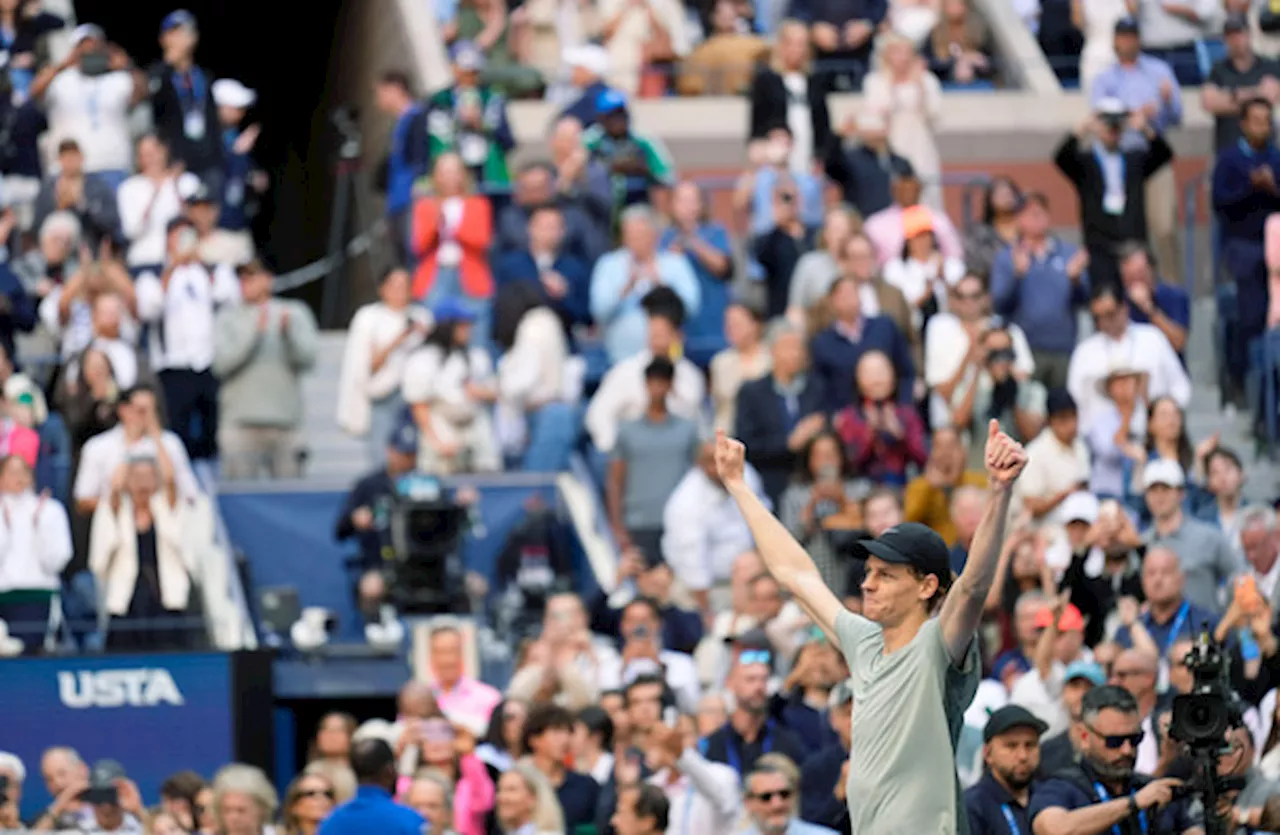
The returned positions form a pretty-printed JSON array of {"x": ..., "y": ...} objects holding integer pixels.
[
  {"x": 1071, "y": 620},
  {"x": 916, "y": 220}
]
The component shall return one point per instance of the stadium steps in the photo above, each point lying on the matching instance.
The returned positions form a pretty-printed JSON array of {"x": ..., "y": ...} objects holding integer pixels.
[{"x": 332, "y": 454}]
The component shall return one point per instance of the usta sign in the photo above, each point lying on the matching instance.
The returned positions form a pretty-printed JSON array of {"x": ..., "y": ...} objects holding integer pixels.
[{"x": 146, "y": 687}]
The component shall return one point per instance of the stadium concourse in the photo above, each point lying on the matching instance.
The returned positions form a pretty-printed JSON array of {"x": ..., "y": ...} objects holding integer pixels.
[{"x": 451, "y": 491}]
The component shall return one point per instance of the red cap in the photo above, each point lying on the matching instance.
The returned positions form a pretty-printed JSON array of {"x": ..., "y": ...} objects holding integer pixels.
[{"x": 1071, "y": 620}]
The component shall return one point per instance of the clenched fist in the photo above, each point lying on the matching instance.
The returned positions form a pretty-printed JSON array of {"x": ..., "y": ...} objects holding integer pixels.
[
  {"x": 1005, "y": 457},
  {"x": 731, "y": 456}
]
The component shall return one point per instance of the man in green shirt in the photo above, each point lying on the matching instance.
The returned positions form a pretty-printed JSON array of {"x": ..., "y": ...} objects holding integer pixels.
[
  {"x": 634, "y": 161},
  {"x": 470, "y": 119},
  {"x": 912, "y": 674}
]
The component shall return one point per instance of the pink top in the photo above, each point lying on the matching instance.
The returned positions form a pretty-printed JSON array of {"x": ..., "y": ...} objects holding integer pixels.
[
  {"x": 470, "y": 702},
  {"x": 19, "y": 440},
  {"x": 473, "y": 795},
  {"x": 884, "y": 229}
]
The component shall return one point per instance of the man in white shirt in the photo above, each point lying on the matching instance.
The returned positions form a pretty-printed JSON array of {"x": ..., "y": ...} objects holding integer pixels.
[
  {"x": 1059, "y": 463},
  {"x": 1117, "y": 342},
  {"x": 110, "y": 335},
  {"x": 704, "y": 795},
  {"x": 622, "y": 395},
  {"x": 703, "y": 531},
  {"x": 88, "y": 98},
  {"x": 179, "y": 304}
]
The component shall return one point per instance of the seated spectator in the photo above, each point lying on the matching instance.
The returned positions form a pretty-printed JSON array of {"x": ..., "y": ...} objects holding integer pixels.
[
  {"x": 886, "y": 228},
  {"x": 746, "y": 359},
  {"x": 966, "y": 508},
  {"x": 836, "y": 350},
  {"x": 750, "y": 732},
  {"x": 789, "y": 92},
  {"x": 1205, "y": 556},
  {"x": 536, "y": 417},
  {"x": 927, "y": 497},
  {"x": 92, "y": 107},
  {"x": 878, "y": 297},
  {"x": 882, "y": 437},
  {"x": 583, "y": 180},
  {"x": 642, "y": 42},
  {"x": 147, "y": 203},
  {"x": 588, "y": 66},
  {"x": 1117, "y": 434},
  {"x": 681, "y": 628},
  {"x": 308, "y": 800},
  {"x": 216, "y": 245},
  {"x": 649, "y": 459},
  {"x": 67, "y": 310},
  {"x": 141, "y": 559},
  {"x": 1000, "y": 391},
  {"x": 1239, "y": 76},
  {"x": 821, "y": 503},
  {"x": 536, "y": 187},
  {"x": 770, "y": 793},
  {"x": 864, "y": 165},
  {"x": 560, "y": 277},
  {"x": 17, "y": 307},
  {"x": 1038, "y": 283},
  {"x": 1143, "y": 346},
  {"x": 468, "y": 122},
  {"x": 624, "y": 277},
  {"x": 452, "y": 230},
  {"x": 90, "y": 199},
  {"x": 1151, "y": 300},
  {"x": 1171, "y": 37},
  {"x": 959, "y": 49},
  {"x": 911, "y": 97},
  {"x": 724, "y": 63},
  {"x": 35, "y": 545},
  {"x": 707, "y": 247},
  {"x": 646, "y": 660},
  {"x": 1001, "y": 204},
  {"x": 1226, "y": 509},
  {"x": 788, "y": 629},
  {"x": 526, "y": 802},
  {"x": 243, "y": 181},
  {"x": 449, "y": 384},
  {"x": 702, "y": 529},
  {"x": 754, "y": 196},
  {"x": 921, "y": 272},
  {"x": 186, "y": 115},
  {"x": 634, "y": 161},
  {"x": 1063, "y": 467},
  {"x": 779, "y": 248},
  {"x": 843, "y": 35},
  {"x": 623, "y": 394},
  {"x": 262, "y": 348},
  {"x": 818, "y": 269},
  {"x": 380, "y": 339}
]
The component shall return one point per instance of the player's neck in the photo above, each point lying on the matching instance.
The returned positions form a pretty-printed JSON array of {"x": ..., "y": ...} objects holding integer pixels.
[{"x": 900, "y": 634}]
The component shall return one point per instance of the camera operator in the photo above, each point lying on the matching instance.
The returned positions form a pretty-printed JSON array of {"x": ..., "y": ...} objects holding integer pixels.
[{"x": 1101, "y": 793}]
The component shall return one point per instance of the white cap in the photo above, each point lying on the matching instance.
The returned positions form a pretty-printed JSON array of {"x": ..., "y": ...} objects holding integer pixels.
[
  {"x": 227, "y": 92},
  {"x": 188, "y": 185},
  {"x": 872, "y": 120},
  {"x": 87, "y": 31},
  {"x": 1163, "y": 471},
  {"x": 1117, "y": 369},
  {"x": 590, "y": 57},
  {"x": 1080, "y": 506},
  {"x": 1111, "y": 106}
]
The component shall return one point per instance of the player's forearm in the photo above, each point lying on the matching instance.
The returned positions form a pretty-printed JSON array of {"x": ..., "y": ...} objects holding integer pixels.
[
  {"x": 988, "y": 540},
  {"x": 1089, "y": 820},
  {"x": 782, "y": 555}
]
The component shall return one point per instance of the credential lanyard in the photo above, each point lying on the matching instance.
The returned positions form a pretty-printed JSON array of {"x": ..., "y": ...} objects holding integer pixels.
[
  {"x": 1179, "y": 621},
  {"x": 1009, "y": 819},
  {"x": 1104, "y": 797}
]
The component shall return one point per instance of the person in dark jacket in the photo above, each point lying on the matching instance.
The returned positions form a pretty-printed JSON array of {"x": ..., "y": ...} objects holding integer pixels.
[
  {"x": 536, "y": 185},
  {"x": 186, "y": 116},
  {"x": 1245, "y": 193},
  {"x": 563, "y": 278},
  {"x": 835, "y": 351},
  {"x": 407, "y": 158},
  {"x": 865, "y": 169},
  {"x": 90, "y": 199},
  {"x": 588, "y": 64},
  {"x": 788, "y": 79},
  {"x": 843, "y": 33},
  {"x": 778, "y": 414},
  {"x": 1110, "y": 182},
  {"x": 822, "y": 784}
]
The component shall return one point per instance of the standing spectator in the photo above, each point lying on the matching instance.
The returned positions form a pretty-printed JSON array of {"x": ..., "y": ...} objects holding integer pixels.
[
  {"x": 927, "y": 498},
  {"x": 537, "y": 186},
  {"x": 407, "y": 158},
  {"x": 634, "y": 161},
  {"x": 746, "y": 359},
  {"x": 818, "y": 269},
  {"x": 449, "y": 384},
  {"x": 242, "y": 181},
  {"x": 1001, "y": 204},
  {"x": 650, "y": 458},
  {"x": 878, "y": 297},
  {"x": 865, "y": 165},
  {"x": 472, "y": 790},
  {"x": 1151, "y": 300},
  {"x": 767, "y": 168},
  {"x": 1245, "y": 194},
  {"x": 181, "y": 303},
  {"x": 35, "y": 545},
  {"x": 1120, "y": 340},
  {"x": 147, "y": 202},
  {"x": 88, "y": 97},
  {"x": 1117, "y": 433},
  {"x": 308, "y": 800},
  {"x": 885, "y": 227},
  {"x": 451, "y": 233},
  {"x": 780, "y": 248},
  {"x": 788, "y": 91},
  {"x": 213, "y": 244},
  {"x": 91, "y": 199},
  {"x": 843, "y": 35},
  {"x": 470, "y": 119},
  {"x": 837, "y": 350},
  {"x": 88, "y": 403},
  {"x": 751, "y": 732},
  {"x": 1170, "y": 35},
  {"x": 588, "y": 65},
  {"x": 1111, "y": 181},
  {"x": 561, "y": 278},
  {"x": 186, "y": 115},
  {"x": 262, "y": 348},
  {"x": 1061, "y": 463},
  {"x": 67, "y": 310},
  {"x": 707, "y": 247},
  {"x": 921, "y": 272},
  {"x": 1146, "y": 85},
  {"x": 780, "y": 413},
  {"x": 17, "y": 308},
  {"x": 1097, "y": 20},
  {"x": 902, "y": 88},
  {"x": 725, "y": 62},
  {"x": 882, "y": 437},
  {"x": 1039, "y": 282},
  {"x": 548, "y": 731},
  {"x": 1241, "y": 75},
  {"x": 622, "y": 280},
  {"x": 642, "y": 41},
  {"x": 526, "y": 803},
  {"x": 372, "y": 809},
  {"x": 959, "y": 49},
  {"x": 582, "y": 180}
]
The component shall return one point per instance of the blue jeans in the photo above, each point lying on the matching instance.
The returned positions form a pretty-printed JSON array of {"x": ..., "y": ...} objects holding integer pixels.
[
  {"x": 553, "y": 433},
  {"x": 448, "y": 284},
  {"x": 384, "y": 416}
]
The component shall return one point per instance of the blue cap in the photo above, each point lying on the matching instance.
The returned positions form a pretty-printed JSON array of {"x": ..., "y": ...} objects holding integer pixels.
[
  {"x": 466, "y": 55},
  {"x": 1087, "y": 670},
  {"x": 404, "y": 438},
  {"x": 176, "y": 18},
  {"x": 452, "y": 310},
  {"x": 610, "y": 100}
]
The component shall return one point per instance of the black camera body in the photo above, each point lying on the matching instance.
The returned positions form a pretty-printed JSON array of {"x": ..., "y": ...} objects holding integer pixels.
[{"x": 1201, "y": 717}]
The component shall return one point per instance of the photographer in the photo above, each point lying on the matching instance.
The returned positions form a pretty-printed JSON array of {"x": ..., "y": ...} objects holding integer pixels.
[{"x": 1101, "y": 793}]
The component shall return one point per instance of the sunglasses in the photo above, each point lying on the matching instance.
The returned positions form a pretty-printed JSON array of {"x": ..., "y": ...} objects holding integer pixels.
[
  {"x": 755, "y": 656},
  {"x": 1118, "y": 740},
  {"x": 317, "y": 793},
  {"x": 781, "y": 794}
]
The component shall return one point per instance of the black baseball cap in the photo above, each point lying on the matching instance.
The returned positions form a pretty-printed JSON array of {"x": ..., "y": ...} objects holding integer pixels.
[
  {"x": 1235, "y": 24},
  {"x": 1009, "y": 717},
  {"x": 911, "y": 544},
  {"x": 1126, "y": 26}
]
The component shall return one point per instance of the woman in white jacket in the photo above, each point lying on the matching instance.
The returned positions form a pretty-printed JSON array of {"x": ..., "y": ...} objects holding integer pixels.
[
  {"x": 140, "y": 558},
  {"x": 381, "y": 338},
  {"x": 35, "y": 545}
]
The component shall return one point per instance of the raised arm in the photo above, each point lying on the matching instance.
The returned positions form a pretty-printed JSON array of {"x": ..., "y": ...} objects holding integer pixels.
[
  {"x": 785, "y": 559},
  {"x": 962, "y": 610}
]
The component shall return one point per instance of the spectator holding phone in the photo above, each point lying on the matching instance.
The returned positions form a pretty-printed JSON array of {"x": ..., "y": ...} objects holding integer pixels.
[{"x": 147, "y": 202}]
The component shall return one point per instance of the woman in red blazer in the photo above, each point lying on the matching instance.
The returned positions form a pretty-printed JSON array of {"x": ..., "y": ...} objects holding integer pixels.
[{"x": 452, "y": 230}]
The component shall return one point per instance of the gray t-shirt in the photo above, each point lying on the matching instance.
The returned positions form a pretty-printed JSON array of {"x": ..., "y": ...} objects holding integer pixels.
[
  {"x": 908, "y": 708},
  {"x": 658, "y": 454}
]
